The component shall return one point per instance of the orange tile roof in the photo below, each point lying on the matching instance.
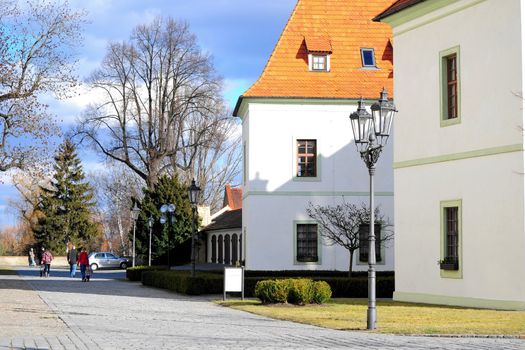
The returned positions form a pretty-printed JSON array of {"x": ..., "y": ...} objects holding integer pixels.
[
  {"x": 349, "y": 27},
  {"x": 232, "y": 197},
  {"x": 317, "y": 44}
]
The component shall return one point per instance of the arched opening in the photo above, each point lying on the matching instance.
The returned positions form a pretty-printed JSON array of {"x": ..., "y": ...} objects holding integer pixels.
[
  {"x": 220, "y": 250},
  {"x": 213, "y": 249},
  {"x": 235, "y": 257},
  {"x": 227, "y": 248}
]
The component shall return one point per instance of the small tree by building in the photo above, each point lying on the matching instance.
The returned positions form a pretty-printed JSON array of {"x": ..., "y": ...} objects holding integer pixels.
[
  {"x": 343, "y": 224},
  {"x": 167, "y": 190}
]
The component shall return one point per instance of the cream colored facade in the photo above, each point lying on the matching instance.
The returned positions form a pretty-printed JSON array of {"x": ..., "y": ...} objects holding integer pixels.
[{"x": 475, "y": 162}]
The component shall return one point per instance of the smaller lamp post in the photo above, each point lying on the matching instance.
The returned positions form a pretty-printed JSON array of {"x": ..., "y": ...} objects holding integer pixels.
[
  {"x": 168, "y": 209},
  {"x": 134, "y": 215},
  {"x": 193, "y": 193},
  {"x": 371, "y": 132},
  {"x": 150, "y": 224}
]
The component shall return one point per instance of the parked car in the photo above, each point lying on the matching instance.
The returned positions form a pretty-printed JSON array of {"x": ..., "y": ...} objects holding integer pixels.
[{"x": 100, "y": 260}]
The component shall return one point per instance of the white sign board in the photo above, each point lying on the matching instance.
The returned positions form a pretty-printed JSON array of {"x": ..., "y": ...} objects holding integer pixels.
[{"x": 234, "y": 280}]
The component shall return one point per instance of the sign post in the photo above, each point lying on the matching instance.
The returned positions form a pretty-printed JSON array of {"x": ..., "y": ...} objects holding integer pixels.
[{"x": 233, "y": 280}]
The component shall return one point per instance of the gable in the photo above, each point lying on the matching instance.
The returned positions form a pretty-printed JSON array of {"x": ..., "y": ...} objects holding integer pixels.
[{"x": 341, "y": 28}]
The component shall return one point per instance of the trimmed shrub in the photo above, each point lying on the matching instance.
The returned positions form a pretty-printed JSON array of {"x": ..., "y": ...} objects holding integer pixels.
[
  {"x": 301, "y": 291},
  {"x": 321, "y": 292},
  {"x": 272, "y": 291},
  {"x": 135, "y": 273},
  {"x": 212, "y": 283},
  {"x": 298, "y": 291},
  {"x": 182, "y": 282},
  {"x": 320, "y": 274}
]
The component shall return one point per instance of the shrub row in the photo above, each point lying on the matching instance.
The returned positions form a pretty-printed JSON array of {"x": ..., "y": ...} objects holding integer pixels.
[
  {"x": 212, "y": 283},
  {"x": 299, "y": 291},
  {"x": 135, "y": 273},
  {"x": 182, "y": 282},
  {"x": 309, "y": 273}
]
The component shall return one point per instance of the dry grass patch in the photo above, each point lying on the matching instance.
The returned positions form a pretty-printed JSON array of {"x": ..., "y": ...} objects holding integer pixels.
[{"x": 394, "y": 317}]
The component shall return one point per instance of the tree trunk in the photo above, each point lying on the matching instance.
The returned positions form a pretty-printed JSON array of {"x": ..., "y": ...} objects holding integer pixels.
[{"x": 350, "y": 265}]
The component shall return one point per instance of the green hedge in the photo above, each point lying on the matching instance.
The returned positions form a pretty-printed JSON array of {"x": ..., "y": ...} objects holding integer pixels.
[
  {"x": 298, "y": 291},
  {"x": 135, "y": 273},
  {"x": 182, "y": 282},
  {"x": 212, "y": 283},
  {"x": 309, "y": 273}
]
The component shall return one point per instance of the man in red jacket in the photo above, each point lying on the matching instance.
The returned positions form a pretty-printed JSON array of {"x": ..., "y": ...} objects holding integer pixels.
[{"x": 83, "y": 261}]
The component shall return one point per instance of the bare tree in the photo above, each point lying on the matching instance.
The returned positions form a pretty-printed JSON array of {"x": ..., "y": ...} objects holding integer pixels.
[
  {"x": 36, "y": 58},
  {"x": 340, "y": 225},
  {"x": 114, "y": 190},
  {"x": 216, "y": 164},
  {"x": 163, "y": 102}
]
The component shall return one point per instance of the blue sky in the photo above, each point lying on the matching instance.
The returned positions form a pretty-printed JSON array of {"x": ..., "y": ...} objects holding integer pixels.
[{"x": 239, "y": 34}]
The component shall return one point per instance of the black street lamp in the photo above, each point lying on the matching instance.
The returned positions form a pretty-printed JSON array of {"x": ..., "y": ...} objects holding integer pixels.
[
  {"x": 134, "y": 215},
  {"x": 150, "y": 225},
  {"x": 168, "y": 209},
  {"x": 193, "y": 193},
  {"x": 371, "y": 132}
]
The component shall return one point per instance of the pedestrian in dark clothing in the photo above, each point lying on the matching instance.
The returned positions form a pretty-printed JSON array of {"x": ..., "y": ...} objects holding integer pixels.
[
  {"x": 72, "y": 258},
  {"x": 83, "y": 261}
]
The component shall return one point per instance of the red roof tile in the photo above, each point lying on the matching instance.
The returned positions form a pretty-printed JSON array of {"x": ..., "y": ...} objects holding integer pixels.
[
  {"x": 232, "y": 197},
  {"x": 347, "y": 26},
  {"x": 318, "y": 44}
]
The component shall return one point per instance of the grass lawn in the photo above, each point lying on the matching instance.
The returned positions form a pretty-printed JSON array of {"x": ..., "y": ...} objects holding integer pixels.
[{"x": 394, "y": 317}]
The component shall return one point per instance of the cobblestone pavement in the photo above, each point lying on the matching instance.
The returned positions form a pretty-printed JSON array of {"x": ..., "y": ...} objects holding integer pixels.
[{"x": 111, "y": 313}]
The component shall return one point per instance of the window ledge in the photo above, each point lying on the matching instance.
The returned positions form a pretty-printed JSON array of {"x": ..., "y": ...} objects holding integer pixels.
[
  {"x": 307, "y": 178},
  {"x": 449, "y": 122},
  {"x": 370, "y": 68}
]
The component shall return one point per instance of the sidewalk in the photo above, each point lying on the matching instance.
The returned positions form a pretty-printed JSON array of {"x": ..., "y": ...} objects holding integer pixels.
[{"x": 27, "y": 321}]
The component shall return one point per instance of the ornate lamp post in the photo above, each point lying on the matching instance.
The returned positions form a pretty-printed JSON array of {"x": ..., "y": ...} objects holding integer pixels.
[
  {"x": 371, "y": 132},
  {"x": 150, "y": 224},
  {"x": 134, "y": 215},
  {"x": 168, "y": 209},
  {"x": 193, "y": 193}
]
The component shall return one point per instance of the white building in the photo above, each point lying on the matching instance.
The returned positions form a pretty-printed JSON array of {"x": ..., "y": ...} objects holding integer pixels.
[
  {"x": 297, "y": 141},
  {"x": 458, "y": 155}
]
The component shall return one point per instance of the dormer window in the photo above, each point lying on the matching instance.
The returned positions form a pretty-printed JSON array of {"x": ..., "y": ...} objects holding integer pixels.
[
  {"x": 368, "y": 58},
  {"x": 319, "y": 62},
  {"x": 319, "y": 50}
]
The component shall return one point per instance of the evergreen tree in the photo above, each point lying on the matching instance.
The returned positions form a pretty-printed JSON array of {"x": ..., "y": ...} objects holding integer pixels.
[
  {"x": 167, "y": 190},
  {"x": 66, "y": 204}
]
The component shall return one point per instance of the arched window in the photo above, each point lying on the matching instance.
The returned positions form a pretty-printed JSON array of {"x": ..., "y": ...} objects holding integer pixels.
[
  {"x": 235, "y": 257},
  {"x": 213, "y": 249},
  {"x": 220, "y": 250},
  {"x": 227, "y": 248}
]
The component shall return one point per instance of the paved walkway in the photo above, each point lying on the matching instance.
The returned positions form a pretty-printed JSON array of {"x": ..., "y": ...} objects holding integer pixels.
[{"x": 110, "y": 313}]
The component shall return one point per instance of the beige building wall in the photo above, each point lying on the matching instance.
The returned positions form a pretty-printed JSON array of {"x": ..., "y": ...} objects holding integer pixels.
[{"x": 478, "y": 161}]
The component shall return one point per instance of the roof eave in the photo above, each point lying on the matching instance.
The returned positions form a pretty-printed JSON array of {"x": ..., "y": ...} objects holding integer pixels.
[{"x": 387, "y": 13}]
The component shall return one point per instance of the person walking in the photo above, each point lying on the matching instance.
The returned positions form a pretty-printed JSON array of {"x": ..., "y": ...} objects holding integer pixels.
[
  {"x": 31, "y": 257},
  {"x": 47, "y": 257},
  {"x": 83, "y": 261},
  {"x": 72, "y": 258}
]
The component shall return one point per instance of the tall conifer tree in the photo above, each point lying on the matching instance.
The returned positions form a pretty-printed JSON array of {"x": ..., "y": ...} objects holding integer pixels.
[{"x": 66, "y": 205}]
